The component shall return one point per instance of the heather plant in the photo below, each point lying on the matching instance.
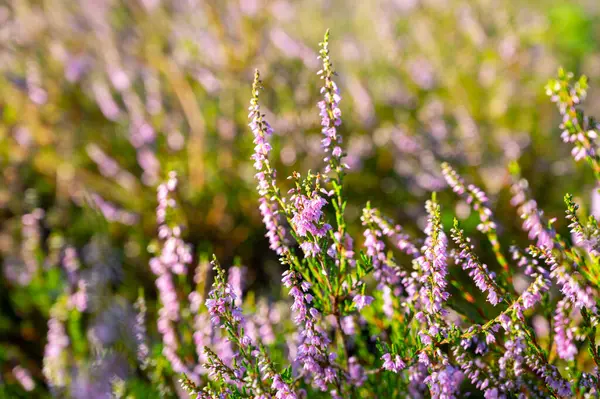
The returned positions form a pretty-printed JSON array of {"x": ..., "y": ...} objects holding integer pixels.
[
  {"x": 369, "y": 326},
  {"x": 111, "y": 110}
]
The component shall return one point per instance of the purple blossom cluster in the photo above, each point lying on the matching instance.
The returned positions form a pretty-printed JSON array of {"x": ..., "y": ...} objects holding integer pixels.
[
  {"x": 306, "y": 219},
  {"x": 473, "y": 195},
  {"x": 586, "y": 237},
  {"x": 533, "y": 293},
  {"x": 24, "y": 377},
  {"x": 262, "y": 132},
  {"x": 577, "y": 129},
  {"x": 483, "y": 278},
  {"x": 175, "y": 254},
  {"x": 112, "y": 212},
  {"x": 174, "y": 258},
  {"x": 330, "y": 112},
  {"x": 221, "y": 302},
  {"x": 394, "y": 233},
  {"x": 342, "y": 248},
  {"x": 551, "y": 376},
  {"x": 478, "y": 200},
  {"x": 143, "y": 352},
  {"x": 248, "y": 362},
  {"x": 265, "y": 174},
  {"x": 445, "y": 382},
  {"x": 55, "y": 355},
  {"x": 582, "y": 296},
  {"x": 385, "y": 271},
  {"x": 477, "y": 371},
  {"x": 390, "y": 278},
  {"x": 22, "y": 269},
  {"x": 392, "y": 363},
  {"x": 275, "y": 231},
  {"x": 532, "y": 217},
  {"x": 433, "y": 263},
  {"x": 313, "y": 352},
  {"x": 563, "y": 334}
]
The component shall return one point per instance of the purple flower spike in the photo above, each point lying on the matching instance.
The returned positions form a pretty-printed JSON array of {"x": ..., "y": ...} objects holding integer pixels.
[{"x": 362, "y": 301}]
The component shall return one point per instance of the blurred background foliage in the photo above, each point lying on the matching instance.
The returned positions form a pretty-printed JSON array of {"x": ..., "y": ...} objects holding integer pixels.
[{"x": 100, "y": 99}]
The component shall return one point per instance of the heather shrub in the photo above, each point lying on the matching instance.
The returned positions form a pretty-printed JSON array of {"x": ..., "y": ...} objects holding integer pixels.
[
  {"x": 377, "y": 322},
  {"x": 395, "y": 321},
  {"x": 384, "y": 272}
]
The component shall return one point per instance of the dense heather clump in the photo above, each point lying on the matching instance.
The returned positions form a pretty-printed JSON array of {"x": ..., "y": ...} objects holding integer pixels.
[
  {"x": 425, "y": 346},
  {"x": 365, "y": 309}
]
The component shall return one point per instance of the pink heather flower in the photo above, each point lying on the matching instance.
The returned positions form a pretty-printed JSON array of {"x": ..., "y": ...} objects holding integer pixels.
[
  {"x": 108, "y": 167},
  {"x": 348, "y": 325},
  {"x": 528, "y": 264},
  {"x": 224, "y": 312},
  {"x": 310, "y": 249},
  {"x": 563, "y": 333},
  {"x": 388, "y": 302},
  {"x": 262, "y": 132},
  {"x": 375, "y": 247},
  {"x": 307, "y": 215},
  {"x": 417, "y": 374},
  {"x": 347, "y": 245},
  {"x": 513, "y": 360},
  {"x": 222, "y": 301},
  {"x": 31, "y": 234},
  {"x": 473, "y": 195},
  {"x": 174, "y": 257},
  {"x": 259, "y": 326},
  {"x": 491, "y": 393},
  {"x": 433, "y": 263},
  {"x": 578, "y": 129},
  {"x": 139, "y": 329},
  {"x": 24, "y": 377},
  {"x": 55, "y": 356},
  {"x": 79, "y": 300},
  {"x": 283, "y": 390},
  {"x": 445, "y": 382},
  {"x": 329, "y": 110},
  {"x": 392, "y": 363},
  {"x": 105, "y": 100},
  {"x": 312, "y": 352},
  {"x": 70, "y": 261},
  {"x": 394, "y": 232},
  {"x": 265, "y": 175},
  {"x": 112, "y": 213},
  {"x": 377, "y": 227},
  {"x": 532, "y": 217},
  {"x": 275, "y": 231},
  {"x": 175, "y": 254},
  {"x": 235, "y": 278},
  {"x": 533, "y": 293},
  {"x": 479, "y": 373},
  {"x": 356, "y": 372},
  {"x": 483, "y": 278},
  {"x": 362, "y": 300},
  {"x": 424, "y": 359},
  {"x": 551, "y": 376},
  {"x": 569, "y": 281}
]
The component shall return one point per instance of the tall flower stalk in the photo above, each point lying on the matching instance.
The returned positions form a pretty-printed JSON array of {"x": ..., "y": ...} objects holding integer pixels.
[
  {"x": 577, "y": 129},
  {"x": 478, "y": 200},
  {"x": 483, "y": 278},
  {"x": 265, "y": 174},
  {"x": 173, "y": 259}
]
